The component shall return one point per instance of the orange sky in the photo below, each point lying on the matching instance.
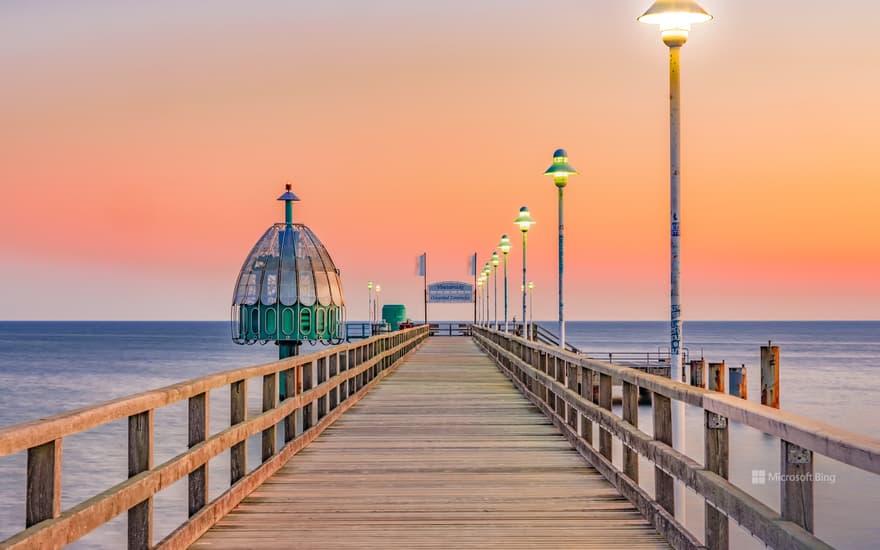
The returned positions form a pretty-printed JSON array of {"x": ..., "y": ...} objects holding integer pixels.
[{"x": 144, "y": 145}]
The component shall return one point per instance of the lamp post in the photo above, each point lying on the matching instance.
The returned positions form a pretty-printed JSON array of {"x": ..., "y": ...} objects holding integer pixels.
[
  {"x": 370, "y": 302},
  {"x": 531, "y": 309},
  {"x": 479, "y": 298},
  {"x": 378, "y": 303},
  {"x": 524, "y": 221},
  {"x": 495, "y": 261},
  {"x": 675, "y": 18},
  {"x": 487, "y": 270},
  {"x": 560, "y": 170},
  {"x": 504, "y": 246}
]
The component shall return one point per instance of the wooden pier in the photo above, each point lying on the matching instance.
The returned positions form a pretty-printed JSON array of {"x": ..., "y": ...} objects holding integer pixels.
[
  {"x": 404, "y": 440},
  {"x": 444, "y": 454}
]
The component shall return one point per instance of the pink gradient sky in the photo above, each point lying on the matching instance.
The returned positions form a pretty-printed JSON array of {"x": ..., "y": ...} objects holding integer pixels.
[{"x": 144, "y": 145}]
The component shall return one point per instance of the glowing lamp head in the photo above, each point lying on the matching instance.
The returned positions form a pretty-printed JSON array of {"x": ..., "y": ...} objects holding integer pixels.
[
  {"x": 560, "y": 169},
  {"x": 495, "y": 259},
  {"x": 378, "y": 288},
  {"x": 487, "y": 270},
  {"x": 675, "y": 17},
  {"x": 531, "y": 285},
  {"x": 504, "y": 246},
  {"x": 370, "y": 285},
  {"x": 525, "y": 220}
]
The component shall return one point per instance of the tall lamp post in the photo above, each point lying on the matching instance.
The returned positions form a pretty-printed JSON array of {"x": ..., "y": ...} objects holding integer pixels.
[
  {"x": 479, "y": 297},
  {"x": 675, "y": 18},
  {"x": 495, "y": 261},
  {"x": 378, "y": 303},
  {"x": 524, "y": 221},
  {"x": 487, "y": 270},
  {"x": 504, "y": 246},
  {"x": 370, "y": 302},
  {"x": 560, "y": 170}
]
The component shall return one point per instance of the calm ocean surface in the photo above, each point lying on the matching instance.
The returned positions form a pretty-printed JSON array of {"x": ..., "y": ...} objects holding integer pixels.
[{"x": 829, "y": 371}]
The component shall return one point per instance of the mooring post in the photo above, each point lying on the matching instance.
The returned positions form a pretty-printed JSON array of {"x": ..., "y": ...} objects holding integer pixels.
[
  {"x": 738, "y": 382},
  {"x": 716, "y": 377},
  {"x": 770, "y": 375},
  {"x": 698, "y": 373}
]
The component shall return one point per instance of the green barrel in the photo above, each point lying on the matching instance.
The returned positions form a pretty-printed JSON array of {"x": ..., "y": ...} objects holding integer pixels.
[{"x": 394, "y": 314}]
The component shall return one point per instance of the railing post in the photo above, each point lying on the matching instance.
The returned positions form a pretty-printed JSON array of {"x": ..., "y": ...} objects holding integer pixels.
[
  {"x": 140, "y": 459},
  {"x": 571, "y": 376},
  {"x": 631, "y": 415},
  {"x": 664, "y": 486},
  {"x": 237, "y": 415},
  {"x": 321, "y": 370},
  {"x": 269, "y": 402},
  {"x": 198, "y": 432},
  {"x": 717, "y": 451},
  {"x": 605, "y": 403},
  {"x": 289, "y": 378},
  {"x": 797, "y": 485},
  {"x": 334, "y": 391},
  {"x": 587, "y": 393}
]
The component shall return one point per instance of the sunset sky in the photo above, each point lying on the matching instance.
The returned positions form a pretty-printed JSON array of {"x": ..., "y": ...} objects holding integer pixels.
[{"x": 143, "y": 145}]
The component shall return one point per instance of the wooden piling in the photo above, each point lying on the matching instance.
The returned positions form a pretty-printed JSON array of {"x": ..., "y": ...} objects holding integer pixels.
[
  {"x": 770, "y": 375},
  {"x": 698, "y": 373},
  {"x": 738, "y": 382},
  {"x": 716, "y": 377}
]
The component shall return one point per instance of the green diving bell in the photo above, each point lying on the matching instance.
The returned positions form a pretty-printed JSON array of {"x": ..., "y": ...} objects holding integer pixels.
[{"x": 289, "y": 289}]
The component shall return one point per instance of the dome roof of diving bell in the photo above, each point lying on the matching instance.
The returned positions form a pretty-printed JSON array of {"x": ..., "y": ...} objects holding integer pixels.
[{"x": 288, "y": 266}]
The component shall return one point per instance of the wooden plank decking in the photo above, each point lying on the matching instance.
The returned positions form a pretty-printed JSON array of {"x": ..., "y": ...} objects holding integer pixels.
[{"x": 443, "y": 454}]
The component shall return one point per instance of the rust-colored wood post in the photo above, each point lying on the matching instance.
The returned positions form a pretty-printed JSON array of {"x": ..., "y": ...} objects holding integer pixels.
[
  {"x": 738, "y": 382},
  {"x": 717, "y": 452},
  {"x": 716, "y": 379},
  {"x": 664, "y": 484},
  {"x": 237, "y": 415},
  {"x": 587, "y": 393},
  {"x": 698, "y": 373},
  {"x": 631, "y": 415},
  {"x": 140, "y": 459},
  {"x": 270, "y": 400},
  {"x": 797, "y": 485},
  {"x": 605, "y": 403},
  {"x": 198, "y": 432},
  {"x": 43, "y": 492},
  {"x": 770, "y": 375}
]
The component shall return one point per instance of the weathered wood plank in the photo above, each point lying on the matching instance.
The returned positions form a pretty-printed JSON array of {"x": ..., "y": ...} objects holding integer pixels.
[
  {"x": 717, "y": 452},
  {"x": 140, "y": 459},
  {"x": 270, "y": 401},
  {"x": 43, "y": 491},
  {"x": 198, "y": 433},
  {"x": 237, "y": 415},
  {"x": 443, "y": 454},
  {"x": 631, "y": 415}
]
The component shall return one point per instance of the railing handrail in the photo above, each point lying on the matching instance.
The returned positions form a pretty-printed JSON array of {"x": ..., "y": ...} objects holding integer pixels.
[
  {"x": 854, "y": 449},
  {"x": 319, "y": 388},
  {"x": 24, "y": 435}
]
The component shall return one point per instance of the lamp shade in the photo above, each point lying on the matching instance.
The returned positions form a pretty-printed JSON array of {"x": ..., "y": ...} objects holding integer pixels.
[
  {"x": 504, "y": 246},
  {"x": 675, "y": 14},
  {"x": 495, "y": 259},
  {"x": 560, "y": 169},
  {"x": 525, "y": 220}
]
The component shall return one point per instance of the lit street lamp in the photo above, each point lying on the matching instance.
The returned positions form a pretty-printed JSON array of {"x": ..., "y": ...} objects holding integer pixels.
[
  {"x": 495, "y": 262},
  {"x": 675, "y": 18},
  {"x": 560, "y": 170},
  {"x": 378, "y": 304},
  {"x": 479, "y": 299},
  {"x": 504, "y": 246},
  {"x": 524, "y": 221}
]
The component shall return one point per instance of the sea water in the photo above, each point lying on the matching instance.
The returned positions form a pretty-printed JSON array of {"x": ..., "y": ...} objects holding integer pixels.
[{"x": 829, "y": 371}]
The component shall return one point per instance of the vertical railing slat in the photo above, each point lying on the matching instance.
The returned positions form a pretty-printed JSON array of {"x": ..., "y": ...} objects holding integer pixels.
[
  {"x": 664, "y": 486},
  {"x": 631, "y": 415},
  {"x": 140, "y": 459},
  {"x": 237, "y": 415},
  {"x": 198, "y": 432},
  {"x": 270, "y": 400}
]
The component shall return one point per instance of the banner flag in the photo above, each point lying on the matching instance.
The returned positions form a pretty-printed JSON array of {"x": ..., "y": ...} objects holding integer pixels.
[
  {"x": 473, "y": 266},
  {"x": 420, "y": 264}
]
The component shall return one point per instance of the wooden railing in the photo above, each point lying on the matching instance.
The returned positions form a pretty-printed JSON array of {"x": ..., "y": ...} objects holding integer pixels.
[
  {"x": 561, "y": 385},
  {"x": 318, "y": 388}
]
